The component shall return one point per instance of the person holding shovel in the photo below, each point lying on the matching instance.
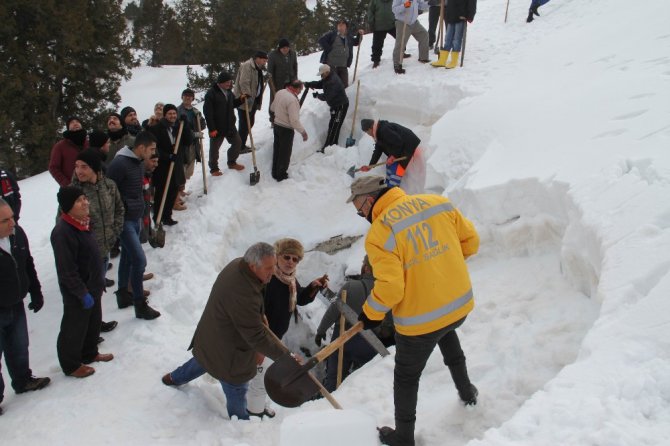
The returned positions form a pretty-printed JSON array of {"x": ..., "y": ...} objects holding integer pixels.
[
  {"x": 337, "y": 100},
  {"x": 396, "y": 142},
  {"x": 231, "y": 331},
  {"x": 282, "y": 297},
  {"x": 407, "y": 24},
  {"x": 417, "y": 245},
  {"x": 286, "y": 111},
  {"x": 338, "y": 49},
  {"x": 456, "y": 13}
]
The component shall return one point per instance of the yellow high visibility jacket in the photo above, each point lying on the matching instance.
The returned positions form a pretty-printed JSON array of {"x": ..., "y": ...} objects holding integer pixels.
[{"x": 417, "y": 246}]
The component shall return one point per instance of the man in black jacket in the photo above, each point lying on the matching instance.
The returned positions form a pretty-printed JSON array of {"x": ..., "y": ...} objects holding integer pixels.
[
  {"x": 395, "y": 141},
  {"x": 127, "y": 171},
  {"x": 17, "y": 278},
  {"x": 336, "y": 98},
  {"x": 219, "y": 111},
  {"x": 282, "y": 69}
]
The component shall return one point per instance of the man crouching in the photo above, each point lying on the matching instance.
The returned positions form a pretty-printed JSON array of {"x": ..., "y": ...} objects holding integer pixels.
[{"x": 231, "y": 329}]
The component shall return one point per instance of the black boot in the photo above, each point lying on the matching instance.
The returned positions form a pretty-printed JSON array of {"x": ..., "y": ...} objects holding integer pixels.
[
  {"x": 123, "y": 298},
  {"x": 530, "y": 16},
  {"x": 398, "y": 69},
  {"x": 144, "y": 311},
  {"x": 533, "y": 9},
  {"x": 466, "y": 391},
  {"x": 402, "y": 435}
]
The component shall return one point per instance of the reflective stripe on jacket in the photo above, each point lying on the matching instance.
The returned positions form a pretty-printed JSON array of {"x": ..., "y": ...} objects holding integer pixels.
[{"x": 417, "y": 246}]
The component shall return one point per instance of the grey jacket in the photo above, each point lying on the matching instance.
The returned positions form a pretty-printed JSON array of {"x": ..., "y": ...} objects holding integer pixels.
[{"x": 357, "y": 293}]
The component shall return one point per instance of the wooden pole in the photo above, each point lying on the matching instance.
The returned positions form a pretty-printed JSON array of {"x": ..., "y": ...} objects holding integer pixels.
[
  {"x": 202, "y": 155},
  {"x": 169, "y": 175},
  {"x": 340, "y": 352}
]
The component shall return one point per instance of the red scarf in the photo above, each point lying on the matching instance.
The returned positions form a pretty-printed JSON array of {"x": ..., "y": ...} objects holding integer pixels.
[{"x": 82, "y": 225}]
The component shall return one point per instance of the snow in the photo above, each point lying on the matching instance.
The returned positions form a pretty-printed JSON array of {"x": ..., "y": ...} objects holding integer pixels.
[{"x": 553, "y": 139}]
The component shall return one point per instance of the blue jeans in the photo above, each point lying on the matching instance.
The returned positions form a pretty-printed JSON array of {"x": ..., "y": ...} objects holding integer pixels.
[
  {"x": 14, "y": 344},
  {"x": 236, "y": 394},
  {"x": 453, "y": 36},
  {"x": 133, "y": 261}
]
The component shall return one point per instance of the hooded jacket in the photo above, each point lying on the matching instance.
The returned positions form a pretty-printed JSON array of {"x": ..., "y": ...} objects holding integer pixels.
[
  {"x": 127, "y": 171},
  {"x": 417, "y": 246},
  {"x": 394, "y": 139}
]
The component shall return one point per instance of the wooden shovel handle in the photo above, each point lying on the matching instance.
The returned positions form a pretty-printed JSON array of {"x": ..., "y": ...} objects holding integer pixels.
[{"x": 344, "y": 337}]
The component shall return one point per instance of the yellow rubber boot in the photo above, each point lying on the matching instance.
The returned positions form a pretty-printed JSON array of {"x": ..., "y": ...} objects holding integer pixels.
[
  {"x": 442, "y": 61},
  {"x": 454, "y": 60}
]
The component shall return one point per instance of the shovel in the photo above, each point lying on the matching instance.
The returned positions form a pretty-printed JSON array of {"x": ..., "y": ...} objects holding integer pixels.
[
  {"x": 352, "y": 170},
  {"x": 304, "y": 95},
  {"x": 289, "y": 384},
  {"x": 255, "y": 176},
  {"x": 159, "y": 234},
  {"x": 202, "y": 154},
  {"x": 350, "y": 140}
]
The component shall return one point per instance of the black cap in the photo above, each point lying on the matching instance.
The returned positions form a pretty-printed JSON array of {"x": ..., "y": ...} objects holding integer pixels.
[
  {"x": 70, "y": 119},
  {"x": 283, "y": 43},
  {"x": 92, "y": 158},
  {"x": 97, "y": 138},
  {"x": 125, "y": 111},
  {"x": 187, "y": 92},
  {"x": 224, "y": 76},
  {"x": 168, "y": 107},
  {"x": 67, "y": 195},
  {"x": 261, "y": 54}
]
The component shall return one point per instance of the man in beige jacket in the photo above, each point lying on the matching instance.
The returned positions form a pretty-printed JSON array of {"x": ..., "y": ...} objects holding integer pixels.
[
  {"x": 249, "y": 82},
  {"x": 286, "y": 109}
]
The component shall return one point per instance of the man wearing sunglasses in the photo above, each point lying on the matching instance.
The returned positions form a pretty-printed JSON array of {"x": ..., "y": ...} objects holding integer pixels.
[
  {"x": 417, "y": 246},
  {"x": 282, "y": 296}
]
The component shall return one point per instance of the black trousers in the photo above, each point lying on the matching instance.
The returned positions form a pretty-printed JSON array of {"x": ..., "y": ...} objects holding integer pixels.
[
  {"x": 159, "y": 178},
  {"x": 281, "y": 152},
  {"x": 378, "y": 38},
  {"x": 78, "y": 338},
  {"x": 412, "y": 353},
  {"x": 337, "y": 116},
  {"x": 433, "y": 18},
  {"x": 233, "y": 151},
  {"x": 244, "y": 128}
]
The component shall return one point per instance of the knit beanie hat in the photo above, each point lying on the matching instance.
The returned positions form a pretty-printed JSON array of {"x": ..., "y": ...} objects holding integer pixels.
[
  {"x": 69, "y": 120},
  {"x": 168, "y": 107},
  {"x": 67, "y": 195},
  {"x": 118, "y": 116},
  {"x": 289, "y": 246},
  {"x": 97, "y": 138},
  {"x": 366, "y": 124},
  {"x": 92, "y": 158},
  {"x": 283, "y": 43},
  {"x": 261, "y": 55},
  {"x": 125, "y": 111}
]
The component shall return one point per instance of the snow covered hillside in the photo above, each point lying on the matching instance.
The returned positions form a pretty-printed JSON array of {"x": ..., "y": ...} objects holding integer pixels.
[{"x": 553, "y": 139}]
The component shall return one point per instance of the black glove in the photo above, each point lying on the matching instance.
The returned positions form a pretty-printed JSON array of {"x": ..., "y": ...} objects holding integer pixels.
[
  {"x": 173, "y": 157},
  {"x": 320, "y": 337},
  {"x": 36, "y": 303},
  {"x": 367, "y": 323},
  {"x": 316, "y": 95},
  {"x": 309, "y": 84}
]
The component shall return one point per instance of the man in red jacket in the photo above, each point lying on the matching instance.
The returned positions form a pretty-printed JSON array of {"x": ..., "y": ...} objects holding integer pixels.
[{"x": 64, "y": 153}]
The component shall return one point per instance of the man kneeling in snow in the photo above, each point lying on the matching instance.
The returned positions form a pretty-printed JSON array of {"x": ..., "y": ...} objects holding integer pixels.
[{"x": 231, "y": 329}]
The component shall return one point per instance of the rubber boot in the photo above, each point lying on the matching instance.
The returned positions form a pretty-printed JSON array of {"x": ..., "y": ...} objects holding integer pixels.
[
  {"x": 144, "y": 311},
  {"x": 123, "y": 298},
  {"x": 454, "y": 60},
  {"x": 442, "y": 61},
  {"x": 402, "y": 435},
  {"x": 466, "y": 391}
]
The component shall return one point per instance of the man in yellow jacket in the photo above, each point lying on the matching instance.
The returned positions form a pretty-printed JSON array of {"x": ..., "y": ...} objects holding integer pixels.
[{"x": 417, "y": 246}]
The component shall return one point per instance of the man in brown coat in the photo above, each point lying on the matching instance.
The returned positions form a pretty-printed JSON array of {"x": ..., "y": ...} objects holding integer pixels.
[{"x": 231, "y": 329}]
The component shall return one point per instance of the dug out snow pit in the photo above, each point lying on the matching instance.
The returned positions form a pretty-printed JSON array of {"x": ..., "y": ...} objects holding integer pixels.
[{"x": 328, "y": 428}]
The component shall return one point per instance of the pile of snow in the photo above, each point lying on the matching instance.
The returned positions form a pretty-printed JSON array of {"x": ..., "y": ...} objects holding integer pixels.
[{"x": 553, "y": 139}]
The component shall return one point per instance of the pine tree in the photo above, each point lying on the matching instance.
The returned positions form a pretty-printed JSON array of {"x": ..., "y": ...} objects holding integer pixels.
[
  {"x": 353, "y": 11},
  {"x": 192, "y": 18},
  {"x": 56, "y": 62}
]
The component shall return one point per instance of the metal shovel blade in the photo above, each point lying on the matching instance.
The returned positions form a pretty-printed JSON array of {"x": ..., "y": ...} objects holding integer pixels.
[
  {"x": 291, "y": 392},
  {"x": 254, "y": 177},
  {"x": 352, "y": 171},
  {"x": 157, "y": 237},
  {"x": 350, "y": 142}
]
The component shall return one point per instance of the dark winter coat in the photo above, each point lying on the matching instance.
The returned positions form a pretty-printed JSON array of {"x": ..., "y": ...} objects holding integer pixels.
[
  {"x": 78, "y": 264},
  {"x": 61, "y": 163},
  {"x": 380, "y": 15},
  {"x": 282, "y": 69},
  {"x": 127, "y": 171},
  {"x": 17, "y": 272},
  {"x": 326, "y": 41},
  {"x": 357, "y": 293},
  {"x": 394, "y": 139},
  {"x": 333, "y": 90},
  {"x": 106, "y": 211},
  {"x": 231, "y": 328},
  {"x": 276, "y": 298},
  {"x": 9, "y": 191},
  {"x": 219, "y": 110},
  {"x": 165, "y": 149},
  {"x": 460, "y": 8}
]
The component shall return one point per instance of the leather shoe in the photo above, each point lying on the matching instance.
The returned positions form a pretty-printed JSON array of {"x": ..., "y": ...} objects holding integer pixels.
[
  {"x": 108, "y": 326},
  {"x": 217, "y": 173},
  {"x": 148, "y": 276},
  {"x": 236, "y": 166},
  {"x": 103, "y": 357},
  {"x": 167, "y": 380},
  {"x": 169, "y": 222},
  {"x": 83, "y": 371}
]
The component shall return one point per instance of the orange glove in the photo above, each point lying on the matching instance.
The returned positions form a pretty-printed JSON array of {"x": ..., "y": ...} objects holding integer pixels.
[
  {"x": 213, "y": 133},
  {"x": 408, "y": 4},
  {"x": 365, "y": 168},
  {"x": 390, "y": 160}
]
